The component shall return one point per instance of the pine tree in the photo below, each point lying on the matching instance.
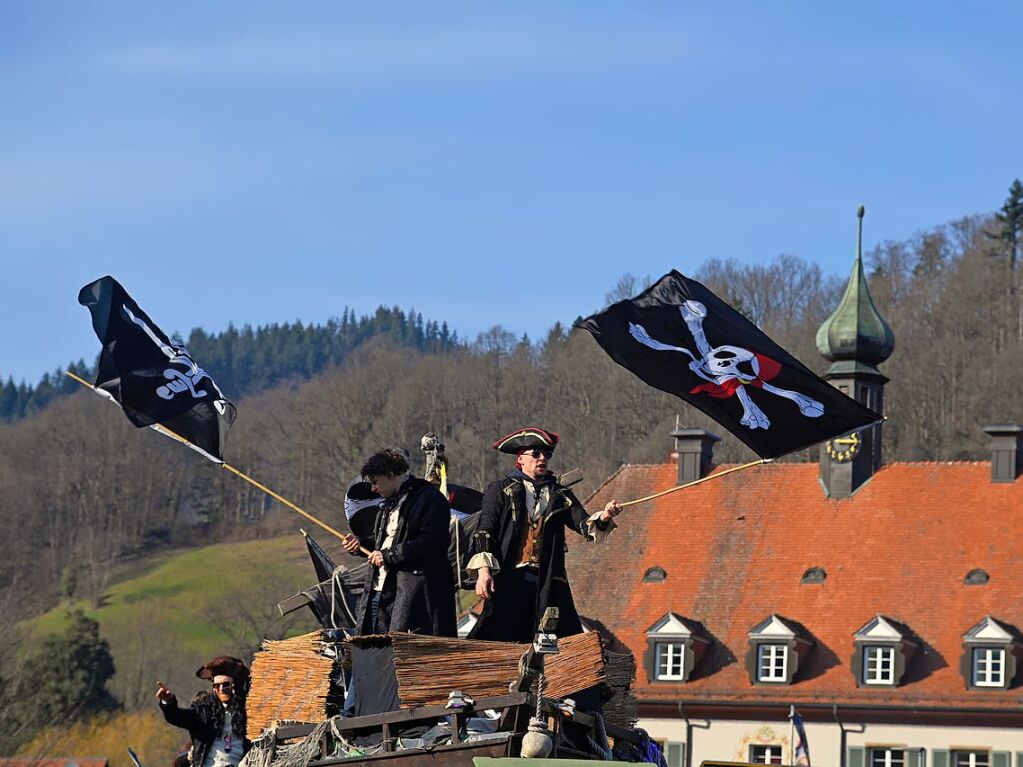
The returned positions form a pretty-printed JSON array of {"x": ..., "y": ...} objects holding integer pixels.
[
  {"x": 8, "y": 400},
  {"x": 1010, "y": 217}
]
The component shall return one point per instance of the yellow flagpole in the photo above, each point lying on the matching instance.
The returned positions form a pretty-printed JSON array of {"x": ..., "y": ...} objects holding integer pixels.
[
  {"x": 277, "y": 497},
  {"x": 700, "y": 481}
]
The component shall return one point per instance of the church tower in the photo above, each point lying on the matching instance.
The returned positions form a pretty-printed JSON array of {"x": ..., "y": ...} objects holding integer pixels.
[{"x": 856, "y": 339}]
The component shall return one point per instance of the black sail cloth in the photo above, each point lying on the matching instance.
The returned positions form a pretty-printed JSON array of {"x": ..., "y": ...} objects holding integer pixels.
[
  {"x": 521, "y": 596},
  {"x": 418, "y": 593},
  {"x": 681, "y": 338},
  {"x": 153, "y": 380}
]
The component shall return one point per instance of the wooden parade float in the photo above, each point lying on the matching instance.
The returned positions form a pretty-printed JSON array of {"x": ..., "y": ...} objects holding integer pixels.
[
  {"x": 426, "y": 700},
  {"x": 435, "y": 700}
]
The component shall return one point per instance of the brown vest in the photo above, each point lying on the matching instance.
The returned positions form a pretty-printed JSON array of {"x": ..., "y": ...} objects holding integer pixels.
[{"x": 530, "y": 542}]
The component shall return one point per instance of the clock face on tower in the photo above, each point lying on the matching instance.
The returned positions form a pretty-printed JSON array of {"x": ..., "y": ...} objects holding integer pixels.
[{"x": 843, "y": 449}]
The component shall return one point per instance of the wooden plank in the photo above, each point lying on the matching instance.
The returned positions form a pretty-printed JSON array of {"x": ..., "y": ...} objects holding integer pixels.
[
  {"x": 426, "y": 712},
  {"x": 291, "y": 604},
  {"x": 496, "y": 702},
  {"x": 588, "y": 721},
  {"x": 460, "y": 755}
]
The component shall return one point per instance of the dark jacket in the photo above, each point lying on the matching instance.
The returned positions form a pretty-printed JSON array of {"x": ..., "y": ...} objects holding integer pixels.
[
  {"x": 499, "y": 532},
  {"x": 419, "y": 592},
  {"x": 204, "y": 720}
]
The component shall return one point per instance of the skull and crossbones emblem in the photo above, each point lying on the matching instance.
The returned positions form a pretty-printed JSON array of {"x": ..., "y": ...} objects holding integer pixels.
[
  {"x": 729, "y": 370},
  {"x": 178, "y": 381}
]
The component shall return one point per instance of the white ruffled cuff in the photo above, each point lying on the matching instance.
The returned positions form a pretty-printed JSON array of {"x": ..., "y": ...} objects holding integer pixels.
[
  {"x": 483, "y": 559},
  {"x": 595, "y": 533}
]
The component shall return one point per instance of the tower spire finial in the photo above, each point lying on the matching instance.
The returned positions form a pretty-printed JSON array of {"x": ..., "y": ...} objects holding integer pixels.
[
  {"x": 856, "y": 333},
  {"x": 860, "y": 211}
]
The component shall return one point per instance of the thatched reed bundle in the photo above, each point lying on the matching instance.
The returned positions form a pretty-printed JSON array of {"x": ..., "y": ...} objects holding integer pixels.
[
  {"x": 428, "y": 668},
  {"x": 619, "y": 675},
  {"x": 290, "y": 682}
]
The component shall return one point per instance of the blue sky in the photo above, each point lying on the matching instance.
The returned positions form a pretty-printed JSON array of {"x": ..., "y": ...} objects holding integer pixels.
[{"x": 485, "y": 163}]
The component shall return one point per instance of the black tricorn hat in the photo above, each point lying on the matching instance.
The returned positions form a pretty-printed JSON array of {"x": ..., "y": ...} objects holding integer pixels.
[
  {"x": 226, "y": 665},
  {"x": 528, "y": 438}
]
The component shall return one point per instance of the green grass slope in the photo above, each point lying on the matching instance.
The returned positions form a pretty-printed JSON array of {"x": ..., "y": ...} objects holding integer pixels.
[{"x": 181, "y": 609}]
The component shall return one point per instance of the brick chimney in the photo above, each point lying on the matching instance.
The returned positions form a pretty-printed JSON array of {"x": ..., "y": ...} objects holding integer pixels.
[
  {"x": 1006, "y": 455},
  {"x": 695, "y": 448}
]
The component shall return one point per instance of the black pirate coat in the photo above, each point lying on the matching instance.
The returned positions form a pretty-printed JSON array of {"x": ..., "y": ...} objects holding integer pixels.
[
  {"x": 499, "y": 533},
  {"x": 204, "y": 719},
  {"x": 419, "y": 591}
]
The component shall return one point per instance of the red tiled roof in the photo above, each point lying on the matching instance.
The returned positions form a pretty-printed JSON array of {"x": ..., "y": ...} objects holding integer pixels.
[{"x": 735, "y": 550}]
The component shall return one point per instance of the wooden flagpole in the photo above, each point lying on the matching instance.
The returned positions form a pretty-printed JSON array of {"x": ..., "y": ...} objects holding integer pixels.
[
  {"x": 700, "y": 481},
  {"x": 281, "y": 499}
]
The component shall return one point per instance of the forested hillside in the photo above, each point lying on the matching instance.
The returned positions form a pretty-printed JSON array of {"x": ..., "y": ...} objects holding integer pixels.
[
  {"x": 80, "y": 488},
  {"x": 252, "y": 359}
]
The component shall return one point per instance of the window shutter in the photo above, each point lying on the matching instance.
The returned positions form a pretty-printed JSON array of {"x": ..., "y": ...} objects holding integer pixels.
[
  {"x": 1019, "y": 759},
  {"x": 939, "y": 757},
  {"x": 1001, "y": 759},
  {"x": 857, "y": 757},
  {"x": 674, "y": 755},
  {"x": 913, "y": 757}
]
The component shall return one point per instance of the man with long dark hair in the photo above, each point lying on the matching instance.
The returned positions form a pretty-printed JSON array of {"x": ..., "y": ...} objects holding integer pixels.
[{"x": 215, "y": 720}]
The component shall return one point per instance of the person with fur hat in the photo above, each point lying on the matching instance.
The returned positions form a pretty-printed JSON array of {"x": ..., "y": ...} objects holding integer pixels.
[
  {"x": 215, "y": 719},
  {"x": 520, "y": 542}
]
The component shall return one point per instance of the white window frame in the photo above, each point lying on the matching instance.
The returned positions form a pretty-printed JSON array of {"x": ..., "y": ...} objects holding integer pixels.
[
  {"x": 676, "y": 655},
  {"x": 768, "y": 653},
  {"x": 882, "y": 654},
  {"x": 889, "y": 757},
  {"x": 680, "y": 749},
  {"x": 984, "y": 661},
  {"x": 970, "y": 759},
  {"x": 770, "y": 753}
]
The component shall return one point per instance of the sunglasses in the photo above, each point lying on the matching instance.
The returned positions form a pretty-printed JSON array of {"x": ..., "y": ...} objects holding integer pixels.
[
  {"x": 225, "y": 686},
  {"x": 535, "y": 453}
]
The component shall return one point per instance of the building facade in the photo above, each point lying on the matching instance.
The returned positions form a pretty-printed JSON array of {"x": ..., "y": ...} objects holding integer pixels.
[{"x": 881, "y": 602}]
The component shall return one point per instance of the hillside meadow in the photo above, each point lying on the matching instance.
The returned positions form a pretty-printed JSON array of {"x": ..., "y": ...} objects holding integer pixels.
[{"x": 178, "y": 610}]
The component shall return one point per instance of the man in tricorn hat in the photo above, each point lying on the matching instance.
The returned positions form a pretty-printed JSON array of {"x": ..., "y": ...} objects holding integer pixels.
[
  {"x": 215, "y": 720},
  {"x": 520, "y": 542}
]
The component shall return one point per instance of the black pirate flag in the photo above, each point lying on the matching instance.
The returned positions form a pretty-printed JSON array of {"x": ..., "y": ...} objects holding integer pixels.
[
  {"x": 153, "y": 380},
  {"x": 681, "y": 338}
]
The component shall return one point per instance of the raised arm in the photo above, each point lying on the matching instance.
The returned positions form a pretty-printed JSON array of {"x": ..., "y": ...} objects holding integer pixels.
[
  {"x": 186, "y": 718},
  {"x": 593, "y": 527}
]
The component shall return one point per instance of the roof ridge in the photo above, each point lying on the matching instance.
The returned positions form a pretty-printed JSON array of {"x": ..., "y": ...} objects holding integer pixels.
[{"x": 606, "y": 482}]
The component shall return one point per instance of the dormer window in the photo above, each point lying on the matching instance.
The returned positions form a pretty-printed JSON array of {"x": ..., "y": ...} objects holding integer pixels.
[
  {"x": 989, "y": 667},
  {"x": 814, "y": 575},
  {"x": 991, "y": 656},
  {"x": 879, "y": 664},
  {"x": 772, "y": 663},
  {"x": 777, "y": 647},
  {"x": 669, "y": 661},
  {"x": 655, "y": 575},
  {"x": 674, "y": 648},
  {"x": 884, "y": 648}
]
